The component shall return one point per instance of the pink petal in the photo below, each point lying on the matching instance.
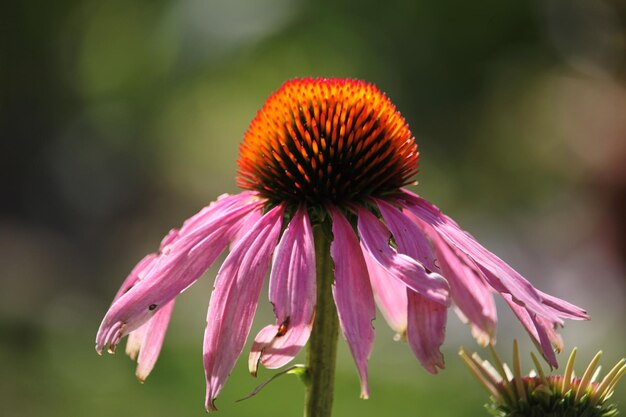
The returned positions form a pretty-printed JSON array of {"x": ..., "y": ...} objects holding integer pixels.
[
  {"x": 234, "y": 300},
  {"x": 292, "y": 293},
  {"x": 541, "y": 332},
  {"x": 389, "y": 294},
  {"x": 407, "y": 235},
  {"x": 180, "y": 263},
  {"x": 274, "y": 349},
  {"x": 563, "y": 308},
  {"x": 502, "y": 277},
  {"x": 145, "y": 265},
  {"x": 137, "y": 336},
  {"x": 245, "y": 226},
  {"x": 353, "y": 294},
  {"x": 426, "y": 330},
  {"x": 133, "y": 277},
  {"x": 135, "y": 340},
  {"x": 223, "y": 202},
  {"x": 470, "y": 293},
  {"x": 375, "y": 240},
  {"x": 153, "y": 340},
  {"x": 426, "y": 318},
  {"x": 264, "y": 338}
]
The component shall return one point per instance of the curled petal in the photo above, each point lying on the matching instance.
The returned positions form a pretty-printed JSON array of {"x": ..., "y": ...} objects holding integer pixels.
[
  {"x": 353, "y": 294},
  {"x": 234, "y": 300},
  {"x": 274, "y": 349},
  {"x": 375, "y": 241},
  {"x": 179, "y": 264},
  {"x": 426, "y": 330},
  {"x": 292, "y": 293}
]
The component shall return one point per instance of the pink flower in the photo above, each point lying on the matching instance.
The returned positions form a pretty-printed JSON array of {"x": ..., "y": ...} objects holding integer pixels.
[{"x": 334, "y": 152}]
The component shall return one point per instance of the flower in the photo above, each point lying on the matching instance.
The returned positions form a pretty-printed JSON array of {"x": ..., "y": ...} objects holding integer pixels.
[
  {"x": 322, "y": 152},
  {"x": 539, "y": 394}
]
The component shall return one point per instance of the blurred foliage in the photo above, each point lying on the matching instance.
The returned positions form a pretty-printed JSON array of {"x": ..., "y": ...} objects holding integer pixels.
[{"x": 120, "y": 119}]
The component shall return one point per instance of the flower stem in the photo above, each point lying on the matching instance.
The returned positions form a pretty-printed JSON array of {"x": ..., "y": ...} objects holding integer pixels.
[{"x": 323, "y": 341}]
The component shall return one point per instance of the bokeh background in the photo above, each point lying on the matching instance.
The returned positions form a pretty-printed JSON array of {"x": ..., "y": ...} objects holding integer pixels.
[{"x": 120, "y": 119}]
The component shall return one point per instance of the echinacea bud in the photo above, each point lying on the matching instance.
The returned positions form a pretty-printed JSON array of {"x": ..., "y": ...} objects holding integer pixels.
[{"x": 541, "y": 395}]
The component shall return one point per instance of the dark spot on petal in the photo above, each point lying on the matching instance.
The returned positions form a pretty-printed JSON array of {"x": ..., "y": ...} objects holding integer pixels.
[{"x": 152, "y": 307}]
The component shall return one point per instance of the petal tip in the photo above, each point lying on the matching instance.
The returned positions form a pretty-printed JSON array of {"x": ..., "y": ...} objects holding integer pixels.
[
  {"x": 253, "y": 361},
  {"x": 210, "y": 405},
  {"x": 365, "y": 388}
]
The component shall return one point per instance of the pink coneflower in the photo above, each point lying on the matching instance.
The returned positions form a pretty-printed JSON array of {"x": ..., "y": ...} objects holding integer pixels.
[{"x": 325, "y": 158}]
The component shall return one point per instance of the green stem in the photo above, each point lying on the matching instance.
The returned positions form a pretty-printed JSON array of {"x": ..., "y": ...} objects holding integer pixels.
[{"x": 323, "y": 341}]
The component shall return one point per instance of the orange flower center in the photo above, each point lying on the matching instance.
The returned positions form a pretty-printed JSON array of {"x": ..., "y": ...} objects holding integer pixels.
[{"x": 326, "y": 140}]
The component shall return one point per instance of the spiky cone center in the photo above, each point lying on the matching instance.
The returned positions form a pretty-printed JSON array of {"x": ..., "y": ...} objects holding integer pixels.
[{"x": 320, "y": 141}]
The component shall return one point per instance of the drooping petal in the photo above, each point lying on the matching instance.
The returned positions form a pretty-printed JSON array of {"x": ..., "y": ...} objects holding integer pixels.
[
  {"x": 470, "y": 293},
  {"x": 234, "y": 300},
  {"x": 502, "y": 277},
  {"x": 144, "y": 343},
  {"x": 426, "y": 318},
  {"x": 389, "y": 294},
  {"x": 152, "y": 342},
  {"x": 178, "y": 265},
  {"x": 375, "y": 240},
  {"x": 539, "y": 313},
  {"x": 426, "y": 330},
  {"x": 353, "y": 294},
  {"x": 137, "y": 336},
  {"x": 292, "y": 293}
]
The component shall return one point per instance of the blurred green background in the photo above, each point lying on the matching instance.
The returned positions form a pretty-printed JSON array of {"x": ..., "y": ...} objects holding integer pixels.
[{"x": 120, "y": 119}]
